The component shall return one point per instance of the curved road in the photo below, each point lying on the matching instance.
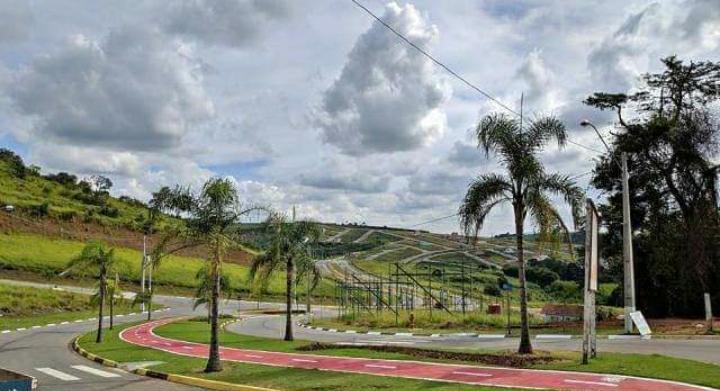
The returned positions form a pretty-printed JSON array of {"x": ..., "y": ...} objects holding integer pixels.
[{"x": 45, "y": 354}]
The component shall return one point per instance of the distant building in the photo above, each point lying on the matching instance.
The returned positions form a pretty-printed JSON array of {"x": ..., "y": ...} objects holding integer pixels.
[{"x": 562, "y": 313}]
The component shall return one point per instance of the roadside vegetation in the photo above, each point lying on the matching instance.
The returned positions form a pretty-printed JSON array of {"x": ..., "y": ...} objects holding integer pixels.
[{"x": 22, "y": 306}]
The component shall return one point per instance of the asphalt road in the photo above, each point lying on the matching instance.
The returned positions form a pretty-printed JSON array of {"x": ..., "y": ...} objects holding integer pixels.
[
  {"x": 700, "y": 350},
  {"x": 45, "y": 354}
]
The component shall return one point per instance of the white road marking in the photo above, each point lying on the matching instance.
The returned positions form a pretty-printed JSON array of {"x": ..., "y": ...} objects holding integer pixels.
[
  {"x": 303, "y": 360},
  {"x": 78, "y": 320},
  {"x": 595, "y": 383},
  {"x": 119, "y": 316},
  {"x": 50, "y": 325},
  {"x": 5, "y": 331},
  {"x": 186, "y": 347},
  {"x": 57, "y": 374},
  {"x": 472, "y": 374},
  {"x": 95, "y": 371},
  {"x": 65, "y": 322},
  {"x": 380, "y": 366},
  {"x": 21, "y": 329},
  {"x": 253, "y": 356},
  {"x": 35, "y": 327},
  {"x": 553, "y": 336}
]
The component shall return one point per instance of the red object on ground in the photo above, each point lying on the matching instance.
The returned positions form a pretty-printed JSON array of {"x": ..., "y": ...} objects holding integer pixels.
[
  {"x": 142, "y": 335},
  {"x": 494, "y": 309}
]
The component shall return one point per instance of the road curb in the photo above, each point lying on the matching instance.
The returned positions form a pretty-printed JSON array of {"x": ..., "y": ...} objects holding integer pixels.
[
  {"x": 180, "y": 379},
  {"x": 501, "y": 336}
]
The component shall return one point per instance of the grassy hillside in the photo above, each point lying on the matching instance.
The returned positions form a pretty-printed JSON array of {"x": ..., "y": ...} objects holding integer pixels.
[{"x": 49, "y": 257}]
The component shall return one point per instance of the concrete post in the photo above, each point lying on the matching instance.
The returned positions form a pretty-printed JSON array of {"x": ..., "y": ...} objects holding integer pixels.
[{"x": 629, "y": 284}]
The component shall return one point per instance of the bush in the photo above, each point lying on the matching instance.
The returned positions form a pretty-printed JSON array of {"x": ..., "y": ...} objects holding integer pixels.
[
  {"x": 39, "y": 210},
  {"x": 15, "y": 163},
  {"x": 67, "y": 215},
  {"x": 62, "y": 178},
  {"x": 492, "y": 290},
  {"x": 511, "y": 271},
  {"x": 109, "y": 211},
  {"x": 541, "y": 276}
]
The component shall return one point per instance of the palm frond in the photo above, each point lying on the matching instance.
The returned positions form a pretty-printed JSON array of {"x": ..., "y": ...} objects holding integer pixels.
[
  {"x": 544, "y": 129},
  {"x": 482, "y": 196},
  {"x": 565, "y": 187}
]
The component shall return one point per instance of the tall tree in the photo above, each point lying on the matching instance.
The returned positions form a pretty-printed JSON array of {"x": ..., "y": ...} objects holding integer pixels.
[
  {"x": 211, "y": 222},
  {"x": 525, "y": 185},
  {"x": 203, "y": 293},
  {"x": 289, "y": 248},
  {"x": 96, "y": 258},
  {"x": 671, "y": 135}
]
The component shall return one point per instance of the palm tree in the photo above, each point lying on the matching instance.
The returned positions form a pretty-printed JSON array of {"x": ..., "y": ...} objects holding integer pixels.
[
  {"x": 96, "y": 258},
  {"x": 289, "y": 245},
  {"x": 211, "y": 222},
  {"x": 526, "y": 186}
]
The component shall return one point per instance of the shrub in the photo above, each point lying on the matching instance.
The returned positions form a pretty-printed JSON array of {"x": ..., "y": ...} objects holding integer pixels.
[
  {"x": 511, "y": 271},
  {"x": 541, "y": 276},
  {"x": 39, "y": 210},
  {"x": 109, "y": 211},
  {"x": 15, "y": 163},
  {"x": 67, "y": 215},
  {"x": 492, "y": 290}
]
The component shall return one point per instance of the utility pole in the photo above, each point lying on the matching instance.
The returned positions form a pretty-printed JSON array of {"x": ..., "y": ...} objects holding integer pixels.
[
  {"x": 628, "y": 264},
  {"x": 629, "y": 285},
  {"x": 142, "y": 281}
]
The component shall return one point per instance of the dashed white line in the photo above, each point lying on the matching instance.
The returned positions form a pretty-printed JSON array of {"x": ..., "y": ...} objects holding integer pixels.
[
  {"x": 65, "y": 322},
  {"x": 78, "y": 320},
  {"x": 594, "y": 383},
  {"x": 252, "y": 356},
  {"x": 95, "y": 371},
  {"x": 472, "y": 374},
  {"x": 380, "y": 366},
  {"x": 5, "y": 331},
  {"x": 50, "y": 325},
  {"x": 20, "y": 329},
  {"x": 303, "y": 360},
  {"x": 57, "y": 374},
  {"x": 35, "y": 327}
]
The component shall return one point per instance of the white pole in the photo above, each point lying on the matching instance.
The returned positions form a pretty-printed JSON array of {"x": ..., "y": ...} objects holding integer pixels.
[
  {"x": 629, "y": 284},
  {"x": 708, "y": 312},
  {"x": 142, "y": 281}
]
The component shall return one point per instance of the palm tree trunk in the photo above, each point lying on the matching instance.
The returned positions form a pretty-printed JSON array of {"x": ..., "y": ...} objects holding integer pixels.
[
  {"x": 98, "y": 337},
  {"x": 525, "y": 345},
  {"x": 290, "y": 276},
  {"x": 112, "y": 308},
  {"x": 214, "y": 364}
]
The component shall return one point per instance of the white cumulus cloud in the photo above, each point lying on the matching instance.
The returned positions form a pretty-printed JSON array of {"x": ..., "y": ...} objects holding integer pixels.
[
  {"x": 388, "y": 97},
  {"x": 136, "y": 89}
]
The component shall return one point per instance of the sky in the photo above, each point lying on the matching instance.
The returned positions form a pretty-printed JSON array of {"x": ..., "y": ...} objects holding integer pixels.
[{"x": 315, "y": 104}]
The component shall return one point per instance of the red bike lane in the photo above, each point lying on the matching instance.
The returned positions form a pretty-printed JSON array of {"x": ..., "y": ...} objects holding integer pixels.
[{"x": 142, "y": 335}]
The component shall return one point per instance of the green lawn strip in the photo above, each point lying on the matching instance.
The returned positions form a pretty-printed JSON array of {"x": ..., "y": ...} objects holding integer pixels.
[
  {"x": 642, "y": 365},
  {"x": 29, "y": 306},
  {"x": 260, "y": 375}
]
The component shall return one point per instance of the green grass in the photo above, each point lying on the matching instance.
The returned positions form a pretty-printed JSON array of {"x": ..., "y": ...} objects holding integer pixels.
[
  {"x": 423, "y": 322},
  {"x": 64, "y": 201},
  {"x": 653, "y": 366},
  {"x": 352, "y": 235},
  {"x": 256, "y": 375},
  {"x": 26, "y": 307},
  {"x": 49, "y": 257}
]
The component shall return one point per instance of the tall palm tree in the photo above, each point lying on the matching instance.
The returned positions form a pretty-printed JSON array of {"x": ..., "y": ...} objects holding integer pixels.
[
  {"x": 211, "y": 222},
  {"x": 96, "y": 258},
  {"x": 525, "y": 185},
  {"x": 289, "y": 248}
]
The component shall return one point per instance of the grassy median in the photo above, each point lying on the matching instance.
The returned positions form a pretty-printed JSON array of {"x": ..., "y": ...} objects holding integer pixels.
[
  {"x": 653, "y": 366},
  {"x": 259, "y": 375}
]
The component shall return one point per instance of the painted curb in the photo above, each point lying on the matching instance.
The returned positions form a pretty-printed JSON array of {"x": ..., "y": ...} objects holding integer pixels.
[
  {"x": 501, "y": 336},
  {"x": 180, "y": 379}
]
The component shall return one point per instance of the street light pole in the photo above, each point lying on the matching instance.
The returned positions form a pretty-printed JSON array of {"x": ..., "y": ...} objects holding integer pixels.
[
  {"x": 629, "y": 286},
  {"x": 628, "y": 264}
]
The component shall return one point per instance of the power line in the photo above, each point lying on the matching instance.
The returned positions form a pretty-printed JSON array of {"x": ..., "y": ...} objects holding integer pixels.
[
  {"x": 450, "y": 71},
  {"x": 434, "y": 220},
  {"x": 433, "y": 59}
]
